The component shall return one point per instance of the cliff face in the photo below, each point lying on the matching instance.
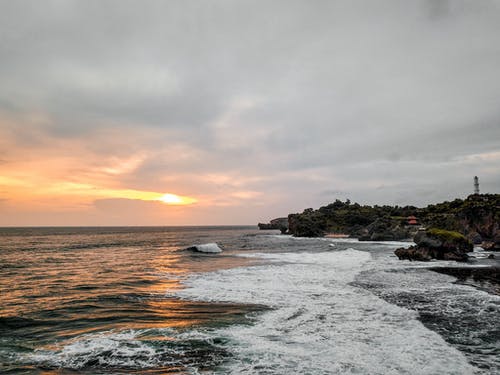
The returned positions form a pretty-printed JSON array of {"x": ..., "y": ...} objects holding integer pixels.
[
  {"x": 310, "y": 223},
  {"x": 476, "y": 217}
]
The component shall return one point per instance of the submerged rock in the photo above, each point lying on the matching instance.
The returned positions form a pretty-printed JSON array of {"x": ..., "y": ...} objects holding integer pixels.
[{"x": 437, "y": 244}]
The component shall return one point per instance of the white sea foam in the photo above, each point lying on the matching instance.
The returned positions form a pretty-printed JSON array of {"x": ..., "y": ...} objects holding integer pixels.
[
  {"x": 126, "y": 350},
  {"x": 356, "y": 241},
  {"x": 320, "y": 322},
  {"x": 206, "y": 248}
]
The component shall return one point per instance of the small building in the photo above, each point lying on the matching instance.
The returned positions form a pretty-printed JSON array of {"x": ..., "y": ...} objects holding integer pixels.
[{"x": 412, "y": 220}]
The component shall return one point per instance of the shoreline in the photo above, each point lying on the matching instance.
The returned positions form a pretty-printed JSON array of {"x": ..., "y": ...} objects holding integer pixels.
[{"x": 337, "y": 235}]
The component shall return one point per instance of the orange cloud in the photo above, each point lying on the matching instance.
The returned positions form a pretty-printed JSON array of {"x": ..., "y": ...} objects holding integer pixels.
[
  {"x": 72, "y": 172},
  {"x": 49, "y": 178}
]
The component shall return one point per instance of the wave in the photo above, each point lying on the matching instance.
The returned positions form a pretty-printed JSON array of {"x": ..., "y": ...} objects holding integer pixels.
[
  {"x": 465, "y": 317},
  {"x": 133, "y": 349},
  {"x": 321, "y": 323},
  {"x": 205, "y": 248}
]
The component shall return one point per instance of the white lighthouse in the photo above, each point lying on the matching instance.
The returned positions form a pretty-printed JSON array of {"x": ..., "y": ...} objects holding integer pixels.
[{"x": 476, "y": 185}]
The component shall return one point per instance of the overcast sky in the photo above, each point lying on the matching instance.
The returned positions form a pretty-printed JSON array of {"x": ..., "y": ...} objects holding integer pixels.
[{"x": 249, "y": 109}]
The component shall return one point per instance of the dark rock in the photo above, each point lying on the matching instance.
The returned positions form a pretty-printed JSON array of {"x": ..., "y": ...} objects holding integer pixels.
[
  {"x": 456, "y": 256},
  {"x": 493, "y": 245},
  {"x": 437, "y": 244},
  {"x": 280, "y": 223},
  {"x": 413, "y": 253},
  {"x": 440, "y": 238},
  {"x": 488, "y": 245},
  {"x": 477, "y": 274},
  {"x": 422, "y": 239},
  {"x": 475, "y": 238}
]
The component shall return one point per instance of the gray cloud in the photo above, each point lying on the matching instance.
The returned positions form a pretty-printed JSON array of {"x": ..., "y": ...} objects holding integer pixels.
[{"x": 344, "y": 93}]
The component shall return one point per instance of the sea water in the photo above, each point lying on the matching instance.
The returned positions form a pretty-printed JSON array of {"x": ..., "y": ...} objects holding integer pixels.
[{"x": 134, "y": 300}]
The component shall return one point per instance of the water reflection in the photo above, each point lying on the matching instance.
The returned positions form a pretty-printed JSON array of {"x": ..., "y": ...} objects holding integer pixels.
[{"x": 59, "y": 288}]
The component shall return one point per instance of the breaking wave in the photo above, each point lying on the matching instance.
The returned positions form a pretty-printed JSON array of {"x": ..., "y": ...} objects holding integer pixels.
[{"x": 320, "y": 322}]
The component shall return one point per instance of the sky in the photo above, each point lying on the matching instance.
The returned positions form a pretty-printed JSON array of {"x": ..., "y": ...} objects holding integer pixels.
[{"x": 236, "y": 112}]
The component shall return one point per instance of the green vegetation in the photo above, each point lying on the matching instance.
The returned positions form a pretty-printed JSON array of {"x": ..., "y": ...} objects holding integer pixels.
[
  {"x": 446, "y": 235},
  {"x": 478, "y": 215},
  {"x": 451, "y": 239}
]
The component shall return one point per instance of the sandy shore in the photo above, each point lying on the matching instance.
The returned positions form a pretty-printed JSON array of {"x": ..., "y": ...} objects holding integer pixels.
[{"x": 336, "y": 235}]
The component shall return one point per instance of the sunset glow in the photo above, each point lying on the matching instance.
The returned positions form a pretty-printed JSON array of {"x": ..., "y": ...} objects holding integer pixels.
[
  {"x": 176, "y": 199},
  {"x": 102, "y": 124}
]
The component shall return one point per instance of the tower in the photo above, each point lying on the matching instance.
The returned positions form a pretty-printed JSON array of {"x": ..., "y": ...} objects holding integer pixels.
[{"x": 476, "y": 185}]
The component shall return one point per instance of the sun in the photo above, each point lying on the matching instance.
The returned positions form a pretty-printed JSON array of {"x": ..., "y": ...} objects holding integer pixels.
[
  {"x": 171, "y": 199},
  {"x": 176, "y": 199}
]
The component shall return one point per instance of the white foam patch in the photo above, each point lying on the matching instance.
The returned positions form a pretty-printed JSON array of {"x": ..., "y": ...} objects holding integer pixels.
[
  {"x": 206, "y": 248},
  {"x": 320, "y": 323},
  {"x": 126, "y": 349},
  {"x": 386, "y": 243}
]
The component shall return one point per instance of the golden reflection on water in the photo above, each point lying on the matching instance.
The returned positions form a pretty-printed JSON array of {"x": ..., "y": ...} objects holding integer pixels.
[
  {"x": 111, "y": 288},
  {"x": 181, "y": 313},
  {"x": 57, "y": 288}
]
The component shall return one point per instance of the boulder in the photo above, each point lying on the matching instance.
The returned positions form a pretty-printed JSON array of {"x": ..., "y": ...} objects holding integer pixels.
[
  {"x": 490, "y": 246},
  {"x": 492, "y": 243},
  {"x": 443, "y": 239},
  {"x": 413, "y": 253},
  {"x": 437, "y": 244}
]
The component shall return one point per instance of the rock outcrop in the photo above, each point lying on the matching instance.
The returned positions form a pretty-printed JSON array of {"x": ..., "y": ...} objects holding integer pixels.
[
  {"x": 437, "y": 244},
  {"x": 308, "y": 224},
  {"x": 280, "y": 223},
  {"x": 477, "y": 217}
]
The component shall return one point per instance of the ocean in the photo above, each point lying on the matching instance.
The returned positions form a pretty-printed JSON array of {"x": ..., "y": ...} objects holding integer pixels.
[{"x": 133, "y": 300}]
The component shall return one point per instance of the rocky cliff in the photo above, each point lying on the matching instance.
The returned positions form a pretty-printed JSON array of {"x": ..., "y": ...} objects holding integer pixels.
[{"x": 476, "y": 217}]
